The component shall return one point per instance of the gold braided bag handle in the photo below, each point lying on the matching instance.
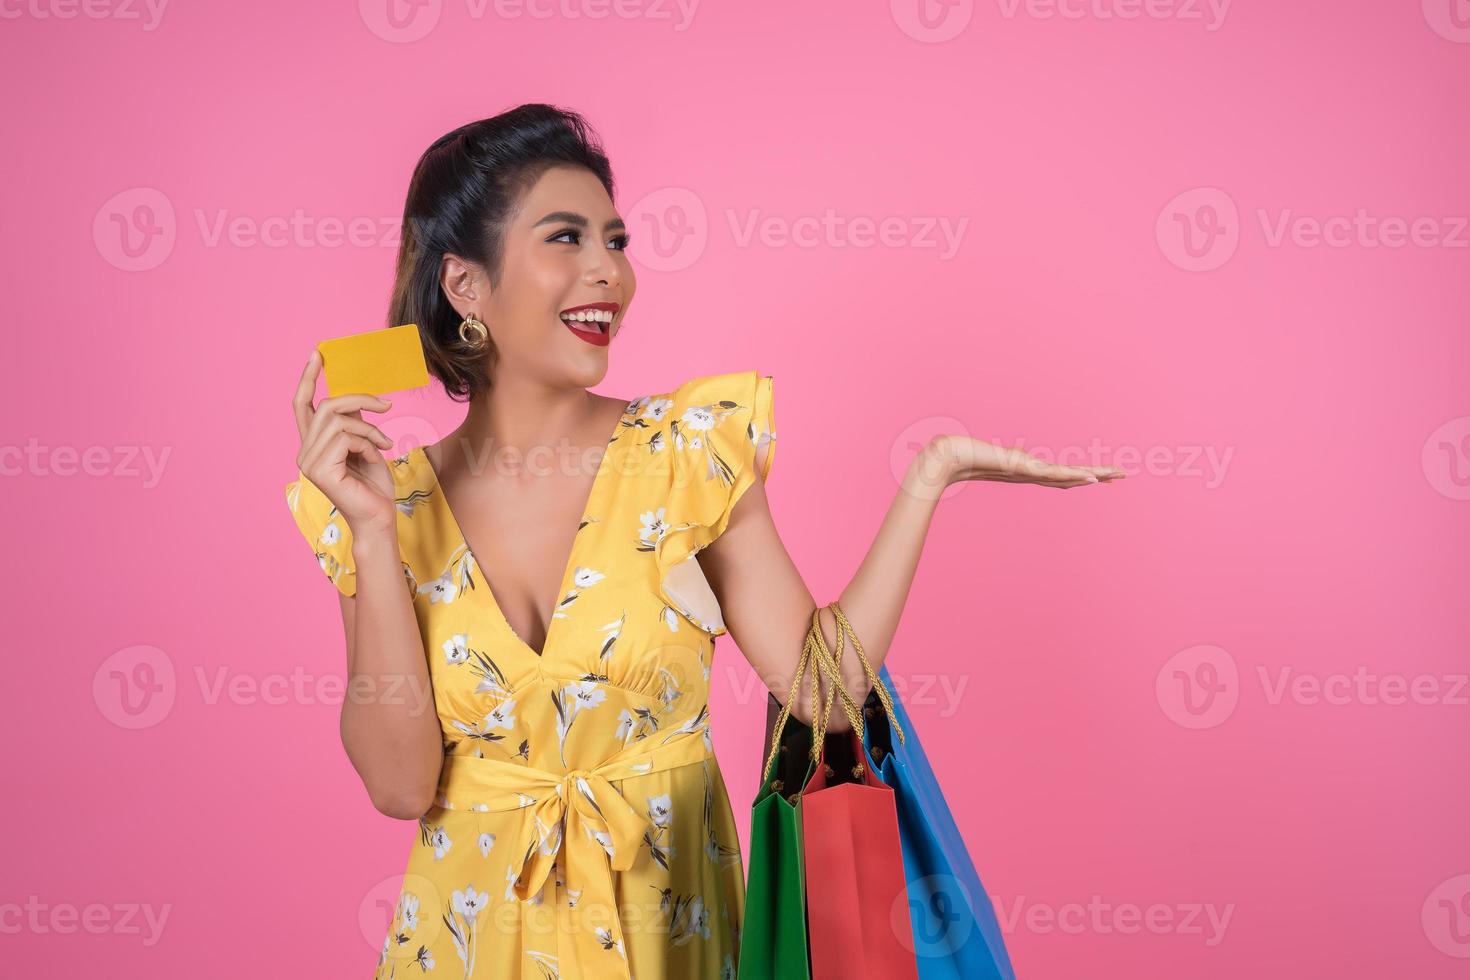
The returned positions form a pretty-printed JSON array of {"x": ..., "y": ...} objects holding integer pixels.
[
  {"x": 830, "y": 663},
  {"x": 816, "y": 656},
  {"x": 780, "y": 726},
  {"x": 813, "y": 650},
  {"x": 873, "y": 680}
]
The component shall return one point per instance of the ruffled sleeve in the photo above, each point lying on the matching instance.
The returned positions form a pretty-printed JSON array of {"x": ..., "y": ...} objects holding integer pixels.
[
  {"x": 719, "y": 432},
  {"x": 325, "y": 530}
]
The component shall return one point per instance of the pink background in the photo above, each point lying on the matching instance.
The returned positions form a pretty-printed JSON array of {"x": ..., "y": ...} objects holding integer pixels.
[{"x": 1090, "y": 771}]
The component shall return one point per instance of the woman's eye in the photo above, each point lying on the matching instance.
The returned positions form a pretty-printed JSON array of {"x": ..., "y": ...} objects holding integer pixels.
[{"x": 619, "y": 242}]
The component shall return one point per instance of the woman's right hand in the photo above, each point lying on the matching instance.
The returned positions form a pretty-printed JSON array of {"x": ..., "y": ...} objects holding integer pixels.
[{"x": 340, "y": 452}]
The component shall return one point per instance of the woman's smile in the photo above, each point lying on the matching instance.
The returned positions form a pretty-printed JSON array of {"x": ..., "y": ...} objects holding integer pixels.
[{"x": 591, "y": 322}]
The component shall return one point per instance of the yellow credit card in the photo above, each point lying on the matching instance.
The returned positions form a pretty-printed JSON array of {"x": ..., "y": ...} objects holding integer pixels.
[{"x": 375, "y": 362}]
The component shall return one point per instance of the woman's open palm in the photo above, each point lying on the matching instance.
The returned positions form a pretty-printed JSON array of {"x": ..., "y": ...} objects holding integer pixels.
[{"x": 967, "y": 458}]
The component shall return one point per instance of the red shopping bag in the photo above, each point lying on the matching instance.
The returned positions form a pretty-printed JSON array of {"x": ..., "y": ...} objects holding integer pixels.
[{"x": 850, "y": 846}]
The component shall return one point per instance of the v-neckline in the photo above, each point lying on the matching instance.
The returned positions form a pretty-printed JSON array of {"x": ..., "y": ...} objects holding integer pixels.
[{"x": 568, "y": 568}]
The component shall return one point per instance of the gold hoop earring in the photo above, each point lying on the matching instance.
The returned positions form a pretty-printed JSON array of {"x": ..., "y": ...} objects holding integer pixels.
[{"x": 472, "y": 324}]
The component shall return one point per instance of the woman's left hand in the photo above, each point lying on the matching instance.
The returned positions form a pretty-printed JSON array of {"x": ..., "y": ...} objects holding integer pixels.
[{"x": 958, "y": 457}]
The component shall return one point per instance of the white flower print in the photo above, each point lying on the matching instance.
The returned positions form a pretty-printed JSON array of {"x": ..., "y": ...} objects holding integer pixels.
[
  {"x": 661, "y": 810},
  {"x": 605, "y": 936},
  {"x": 492, "y": 678},
  {"x": 331, "y": 534},
  {"x": 699, "y": 418},
  {"x": 638, "y": 724},
  {"x": 585, "y": 578},
  {"x": 727, "y": 968},
  {"x": 571, "y": 701},
  {"x": 407, "y": 921},
  {"x": 610, "y": 633},
  {"x": 440, "y": 589},
  {"x": 720, "y": 853},
  {"x": 408, "y": 911},
  {"x": 470, "y": 903},
  {"x": 465, "y": 908},
  {"x": 439, "y": 838},
  {"x": 547, "y": 962},
  {"x": 657, "y": 408},
  {"x": 502, "y": 716},
  {"x": 660, "y": 850},
  {"x": 460, "y": 569},
  {"x": 482, "y": 731},
  {"x": 652, "y": 527},
  {"x": 602, "y": 837},
  {"x": 407, "y": 505},
  {"x": 587, "y": 694},
  {"x": 688, "y": 919},
  {"x": 717, "y": 852},
  {"x": 670, "y": 691},
  {"x": 699, "y": 918},
  {"x": 457, "y": 649},
  {"x": 510, "y": 883},
  {"x": 550, "y": 835},
  {"x": 486, "y": 841},
  {"x": 696, "y": 723}
]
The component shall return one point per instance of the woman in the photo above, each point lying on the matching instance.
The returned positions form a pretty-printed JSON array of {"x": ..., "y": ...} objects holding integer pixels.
[{"x": 530, "y": 647}]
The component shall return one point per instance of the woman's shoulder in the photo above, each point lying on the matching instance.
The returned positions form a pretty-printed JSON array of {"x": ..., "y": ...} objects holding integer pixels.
[{"x": 746, "y": 390}]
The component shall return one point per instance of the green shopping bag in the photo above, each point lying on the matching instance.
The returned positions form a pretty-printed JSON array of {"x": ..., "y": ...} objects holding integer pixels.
[{"x": 773, "y": 940}]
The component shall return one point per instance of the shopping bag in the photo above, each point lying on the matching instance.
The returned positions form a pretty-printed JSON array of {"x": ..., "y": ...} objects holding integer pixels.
[
  {"x": 954, "y": 928},
  {"x": 773, "y": 936},
  {"x": 773, "y": 939},
  {"x": 856, "y": 897},
  {"x": 855, "y": 880}
]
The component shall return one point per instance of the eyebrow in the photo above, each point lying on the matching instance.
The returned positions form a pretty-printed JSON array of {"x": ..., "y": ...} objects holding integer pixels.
[{"x": 573, "y": 218}]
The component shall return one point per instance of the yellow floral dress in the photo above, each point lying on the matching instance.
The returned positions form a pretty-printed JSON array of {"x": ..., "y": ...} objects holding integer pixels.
[{"x": 581, "y": 827}]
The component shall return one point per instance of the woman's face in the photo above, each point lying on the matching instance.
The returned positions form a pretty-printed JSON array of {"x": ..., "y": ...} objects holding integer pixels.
[{"x": 564, "y": 251}]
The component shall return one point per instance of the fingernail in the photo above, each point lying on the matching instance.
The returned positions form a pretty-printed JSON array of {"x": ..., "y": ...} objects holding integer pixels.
[{"x": 1091, "y": 478}]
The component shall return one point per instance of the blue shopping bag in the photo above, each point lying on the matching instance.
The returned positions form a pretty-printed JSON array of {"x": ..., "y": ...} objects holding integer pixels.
[{"x": 955, "y": 932}]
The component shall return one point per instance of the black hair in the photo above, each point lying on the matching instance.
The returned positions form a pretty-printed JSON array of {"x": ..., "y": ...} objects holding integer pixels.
[{"x": 465, "y": 189}]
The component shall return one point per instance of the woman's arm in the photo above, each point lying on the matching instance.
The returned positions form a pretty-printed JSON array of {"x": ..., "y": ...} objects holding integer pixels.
[
  {"x": 768, "y": 608},
  {"x": 389, "y": 726},
  {"x": 388, "y": 723}
]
